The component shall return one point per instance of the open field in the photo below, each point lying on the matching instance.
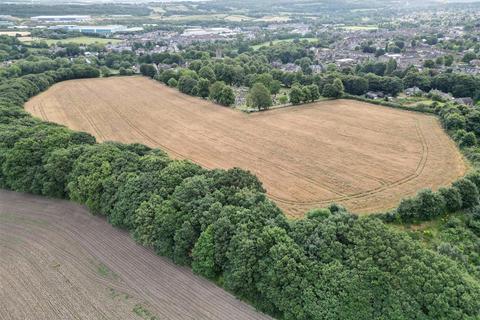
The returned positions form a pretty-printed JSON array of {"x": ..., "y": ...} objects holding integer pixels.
[
  {"x": 238, "y": 18},
  {"x": 57, "y": 261},
  {"x": 77, "y": 40},
  {"x": 360, "y": 28},
  {"x": 266, "y": 44},
  {"x": 363, "y": 156},
  {"x": 15, "y": 33}
]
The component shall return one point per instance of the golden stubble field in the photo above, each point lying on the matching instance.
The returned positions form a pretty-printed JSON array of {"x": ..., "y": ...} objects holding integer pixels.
[{"x": 363, "y": 156}]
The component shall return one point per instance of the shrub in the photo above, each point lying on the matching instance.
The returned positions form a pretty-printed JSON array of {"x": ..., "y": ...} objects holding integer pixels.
[
  {"x": 469, "y": 192},
  {"x": 429, "y": 204},
  {"x": 172, "y": 82},
  {"x": 474, "y": 176},
  {"x": 408, "y": 209},
  {"x": 452, "y": 197}
]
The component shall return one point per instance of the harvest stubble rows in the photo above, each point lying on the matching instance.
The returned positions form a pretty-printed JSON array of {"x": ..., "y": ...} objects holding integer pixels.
[{"x": 363, "y": 156}]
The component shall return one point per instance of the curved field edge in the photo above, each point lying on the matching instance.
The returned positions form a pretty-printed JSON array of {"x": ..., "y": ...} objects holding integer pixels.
[
  {"x": 365, "y": 270},
  {"x": 63, "y": 263},
  {"x": 362, "y": 156}
]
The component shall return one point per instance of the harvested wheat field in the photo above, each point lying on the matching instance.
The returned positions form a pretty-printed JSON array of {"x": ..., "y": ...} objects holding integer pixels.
[
  {"x": 57, "y": 261},
  {"x": 363, "y": 156}
]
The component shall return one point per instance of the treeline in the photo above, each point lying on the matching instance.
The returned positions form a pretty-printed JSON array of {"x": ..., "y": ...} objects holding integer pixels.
[
  {"x": 202, "y": 84},
  {"x": 463, "y": 124},
  {"x": 24, "y": 10},
  {"x": 329, "y": 265},
  {"x": 246, "y": 68}
]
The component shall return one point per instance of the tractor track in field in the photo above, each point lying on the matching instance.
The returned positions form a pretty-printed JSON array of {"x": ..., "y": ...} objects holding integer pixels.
[{"x": 363, "y": 156}]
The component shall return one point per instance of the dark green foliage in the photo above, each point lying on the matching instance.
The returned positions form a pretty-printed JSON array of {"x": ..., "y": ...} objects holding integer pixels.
[
  {"x": 207, "y": 73},
  {"x": 334, "y": 90},
  {"x": 355, "y": 85},
  {"x": 148, "y": 70},
  {"x": 430, "y": 204},
  {"x": 172, "y": 82},
  {"x": 426, "y": 205},
  {"x": 469, "y": 192},
  {"x": 259, "y": 97},
  {"x": 474, "y": 176},
  {"x": 389, "y": 85},
  {"x": 296, "y": 95},
  {"x": 452, "y": 197},
  {"x": 468, "y": 139},
  {"x": 222, "y": 94},
  {"x": 203, "y": 88},
  {"x": 311, "y": 93},
  {"x": 454, "y": 121},
  {"x": 407, "y": 209},
  {"x": 58, "y": 166},
  {"x": 188, "y": 85},
  {"x": 24, "y": 163},
  {"x": 91, "y": 171}
]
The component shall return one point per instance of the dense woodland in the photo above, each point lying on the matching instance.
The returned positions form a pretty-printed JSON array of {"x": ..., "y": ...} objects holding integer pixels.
[{"x": 329, "y": 265}]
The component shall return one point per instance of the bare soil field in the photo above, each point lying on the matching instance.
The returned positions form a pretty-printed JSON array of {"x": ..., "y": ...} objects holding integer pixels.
[
  {"x": 59, "y": 262},
  {"x": 363, "y": 156}
]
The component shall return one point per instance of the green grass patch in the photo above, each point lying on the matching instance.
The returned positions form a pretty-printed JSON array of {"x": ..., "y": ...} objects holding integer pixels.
[
  {"x": 360, "y": 28},
  {"x": 79, "y": 40},
  {"x": 143, "y": 312},
  {"x": 274, "y": 42},
  {"x": 104, "y": 271}
]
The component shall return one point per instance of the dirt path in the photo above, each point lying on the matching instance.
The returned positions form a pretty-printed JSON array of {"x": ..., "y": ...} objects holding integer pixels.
[
  {"x": 59, "y": 262},
  {"x": 363, "y": 156}
]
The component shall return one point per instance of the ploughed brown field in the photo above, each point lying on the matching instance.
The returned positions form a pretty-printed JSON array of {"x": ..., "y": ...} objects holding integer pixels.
[
  {"x": 57, "y": 261},
  {"x": 363, "y": 156}
]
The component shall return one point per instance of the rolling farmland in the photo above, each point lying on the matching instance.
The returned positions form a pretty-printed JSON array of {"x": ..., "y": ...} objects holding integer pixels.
[
  {"x": 363, "y": 156},
  {"x": 57, "y": 261}
]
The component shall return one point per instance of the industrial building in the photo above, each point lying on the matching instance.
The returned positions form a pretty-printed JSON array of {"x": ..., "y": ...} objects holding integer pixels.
[{"x": 103, "y": 30}]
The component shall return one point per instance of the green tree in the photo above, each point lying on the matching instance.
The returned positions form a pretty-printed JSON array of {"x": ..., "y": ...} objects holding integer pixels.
[
  {"x": 296, "y": 95},
  {"x": 355, "y": 85},
  {"x": 430, "y": 204},
  {"x": 203, "y": 88},
  {"x": 429, "y": 64},
  {"x": 259, "y": 97},
  {"x": 469, "y": 56},
  {"x": 187, "y": 85},
  {"x": 148, "y": 70},
  {"x": 453, "y": 198},
  {"x": 203, "y": 254},
  {"x": 207, "y": 72},
  {"x": 172, "y": 83},
  {"x": 448, "y": 60},
  {"x": 454, "y": 121},
  {"x": 222, "y": 94},
  {"x": 334, "y": 90},
  {"x": 310, "y": 93},
  {"x": 469, "y": 192}
]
